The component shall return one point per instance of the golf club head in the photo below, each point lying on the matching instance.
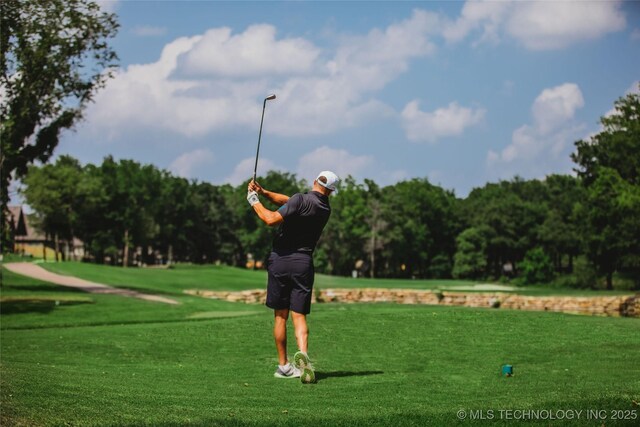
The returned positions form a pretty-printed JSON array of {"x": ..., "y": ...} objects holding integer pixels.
[{"x": 270, "y": 97}]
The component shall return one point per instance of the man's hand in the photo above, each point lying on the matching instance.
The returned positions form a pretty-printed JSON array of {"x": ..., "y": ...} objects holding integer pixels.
[
  {"x": 276, "y": 198},
  {"x": 254, "y": 186},
  {"x": 270, "y": 218},
  {"x": 252, "y": 197}
]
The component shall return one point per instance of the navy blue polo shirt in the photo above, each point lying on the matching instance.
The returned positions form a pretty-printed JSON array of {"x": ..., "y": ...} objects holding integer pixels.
[{"x": 305, "y": 216}]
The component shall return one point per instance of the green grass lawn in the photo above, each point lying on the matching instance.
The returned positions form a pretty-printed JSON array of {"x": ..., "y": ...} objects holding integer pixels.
[
  {"x": 182, "y": 277},
  {"x": 108, "y": 360},
  {"x": 173, "y": 281},
  {"x": 29, "y": 303}
]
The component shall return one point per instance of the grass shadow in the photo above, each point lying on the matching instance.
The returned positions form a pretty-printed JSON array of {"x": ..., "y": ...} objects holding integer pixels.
[
  {"x": 36, "y": 305},
  {"x": 341, "y": 374},
  {"x": 17, "y": 307},
  {"x": 41, "y": 288}
]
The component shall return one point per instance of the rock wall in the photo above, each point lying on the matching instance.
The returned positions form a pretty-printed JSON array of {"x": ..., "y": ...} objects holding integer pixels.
[{"x": 619, "y": 305}]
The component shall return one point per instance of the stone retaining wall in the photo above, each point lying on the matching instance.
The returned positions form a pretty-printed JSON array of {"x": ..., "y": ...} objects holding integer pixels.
[{"x": 620, "y": 305}]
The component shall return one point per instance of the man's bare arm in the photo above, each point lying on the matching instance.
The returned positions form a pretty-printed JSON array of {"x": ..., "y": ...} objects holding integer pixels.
[
  {"x": 276, "y": 198},
  {"x": 270, "y": 218}
]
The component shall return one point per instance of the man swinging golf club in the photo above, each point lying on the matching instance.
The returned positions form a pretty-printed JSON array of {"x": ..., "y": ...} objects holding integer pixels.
[{"x": 301, "y": 218}]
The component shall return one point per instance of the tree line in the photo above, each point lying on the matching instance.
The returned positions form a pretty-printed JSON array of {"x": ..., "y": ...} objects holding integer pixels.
[{"x": 124, "y": 211}]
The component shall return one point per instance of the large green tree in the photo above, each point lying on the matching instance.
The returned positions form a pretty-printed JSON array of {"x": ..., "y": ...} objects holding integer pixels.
[
  {"x": 560, "y": 233},
  {"x": 92, "y": 204},
  {"x": 513, "y": 211},
  {"x": 470, "y": 260},
  {"x": 609, "y": 165},
  {"x": 341, "y": 245},
  {"x": 616, "y": 147},
  {"x": 210, "y": 226},
  {"x": 134, "y": 191},
  {"x": 53, "y": 192},
  {"x": 173, "y": 216},
  {"x": 377, "y": 235},
  {"x": 422, "y": 226},
  {"x": 54, "y": 56}
]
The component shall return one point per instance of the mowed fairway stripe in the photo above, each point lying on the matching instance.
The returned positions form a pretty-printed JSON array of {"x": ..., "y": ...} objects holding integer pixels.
[
  {"x": 376, "y": 365},
  {"x": 37, "y": 272}
]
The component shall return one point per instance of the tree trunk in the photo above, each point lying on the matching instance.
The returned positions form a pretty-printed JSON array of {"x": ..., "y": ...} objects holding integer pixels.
[
  {"x": 170, "y": 255},
  {"x": 373, "y": 255},
  {"x": 72, "y": 247},
  {"x": 610, "y": 281},
  {"x": 125, "y": 256},
  {"x": 570, "y": 263},
  {"x": 57, "y": 245},
  {"x": 44, "y": 247}
]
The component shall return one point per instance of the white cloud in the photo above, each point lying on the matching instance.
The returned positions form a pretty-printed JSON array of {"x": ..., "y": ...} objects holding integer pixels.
[
  {"x": 634, "y": 88},
  {"x": 255, "y": 52},
  {"x": 339, "y": 161},
  {"x": 318, "y": 91},
  {"x": 383, "y": 177},
  {"x": 144, "y": 96},
  {"x": 109, "y": 6},
  {"x": 381, "y": 55},
  {"x": 538, "y": 25},
  {"x": 187, "y": 163},
  {"x": 555, "y": 25},
  {"x": 337, "y": 96},
  {"x": 244, "y": 170},
  {"x": 556, "y": 105},
  {"x": 443, "y": 122},
  {"x": 488, "y": 15},
  {"x": 148, "y": 31},
  {"x": 538, "y": 148}
]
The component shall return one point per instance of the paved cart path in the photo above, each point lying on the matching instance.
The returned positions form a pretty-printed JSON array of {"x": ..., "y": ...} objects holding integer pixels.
[{"x": 37, "y": 272}]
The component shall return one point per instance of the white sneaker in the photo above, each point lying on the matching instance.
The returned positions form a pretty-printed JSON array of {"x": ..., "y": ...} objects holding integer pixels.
[
  {"x": 307, "y": 374},
  {"x": 289, "y": 372}
]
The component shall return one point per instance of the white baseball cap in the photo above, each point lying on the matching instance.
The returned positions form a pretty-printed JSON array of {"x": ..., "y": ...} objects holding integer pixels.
[{"x": 331, "y": 178}]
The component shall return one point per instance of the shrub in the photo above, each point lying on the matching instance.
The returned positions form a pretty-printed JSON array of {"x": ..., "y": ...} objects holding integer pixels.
[
  {"x": 470, "y": 260},
  {"x": 585, "y": 274},
  {"x": 536, "y": 267},
  {"x": 440, "y": 267}
]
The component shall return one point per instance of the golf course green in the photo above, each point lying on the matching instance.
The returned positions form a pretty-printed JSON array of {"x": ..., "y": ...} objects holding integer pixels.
[{"x": 73, "y": 358}]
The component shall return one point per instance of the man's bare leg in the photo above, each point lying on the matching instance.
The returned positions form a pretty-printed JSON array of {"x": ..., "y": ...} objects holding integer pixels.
[
  {"x": 302, "y": 331},
  {"x": 280, "y": 334},
  {"x": 301, "y": 359}
]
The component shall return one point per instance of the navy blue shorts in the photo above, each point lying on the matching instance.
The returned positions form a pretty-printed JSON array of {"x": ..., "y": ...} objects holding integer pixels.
[{"x": 290, "y": 283}]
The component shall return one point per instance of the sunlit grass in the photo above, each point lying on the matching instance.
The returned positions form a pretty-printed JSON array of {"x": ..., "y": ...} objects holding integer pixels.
[{"x": 123, "y": 361}]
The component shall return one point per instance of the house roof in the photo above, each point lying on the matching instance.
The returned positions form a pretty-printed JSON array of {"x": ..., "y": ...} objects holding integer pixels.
[
  {"x": 25, "y": 231},
  {"x": 18, "y": 220},
  {"x": 23, "y": 228}
]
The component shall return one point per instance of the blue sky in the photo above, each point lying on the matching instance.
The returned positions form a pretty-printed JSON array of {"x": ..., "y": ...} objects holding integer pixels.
[{"x": 462, "y": 93}]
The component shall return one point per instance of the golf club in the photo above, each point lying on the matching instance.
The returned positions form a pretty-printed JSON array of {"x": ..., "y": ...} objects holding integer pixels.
[{"x": 264, "y": 104}]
